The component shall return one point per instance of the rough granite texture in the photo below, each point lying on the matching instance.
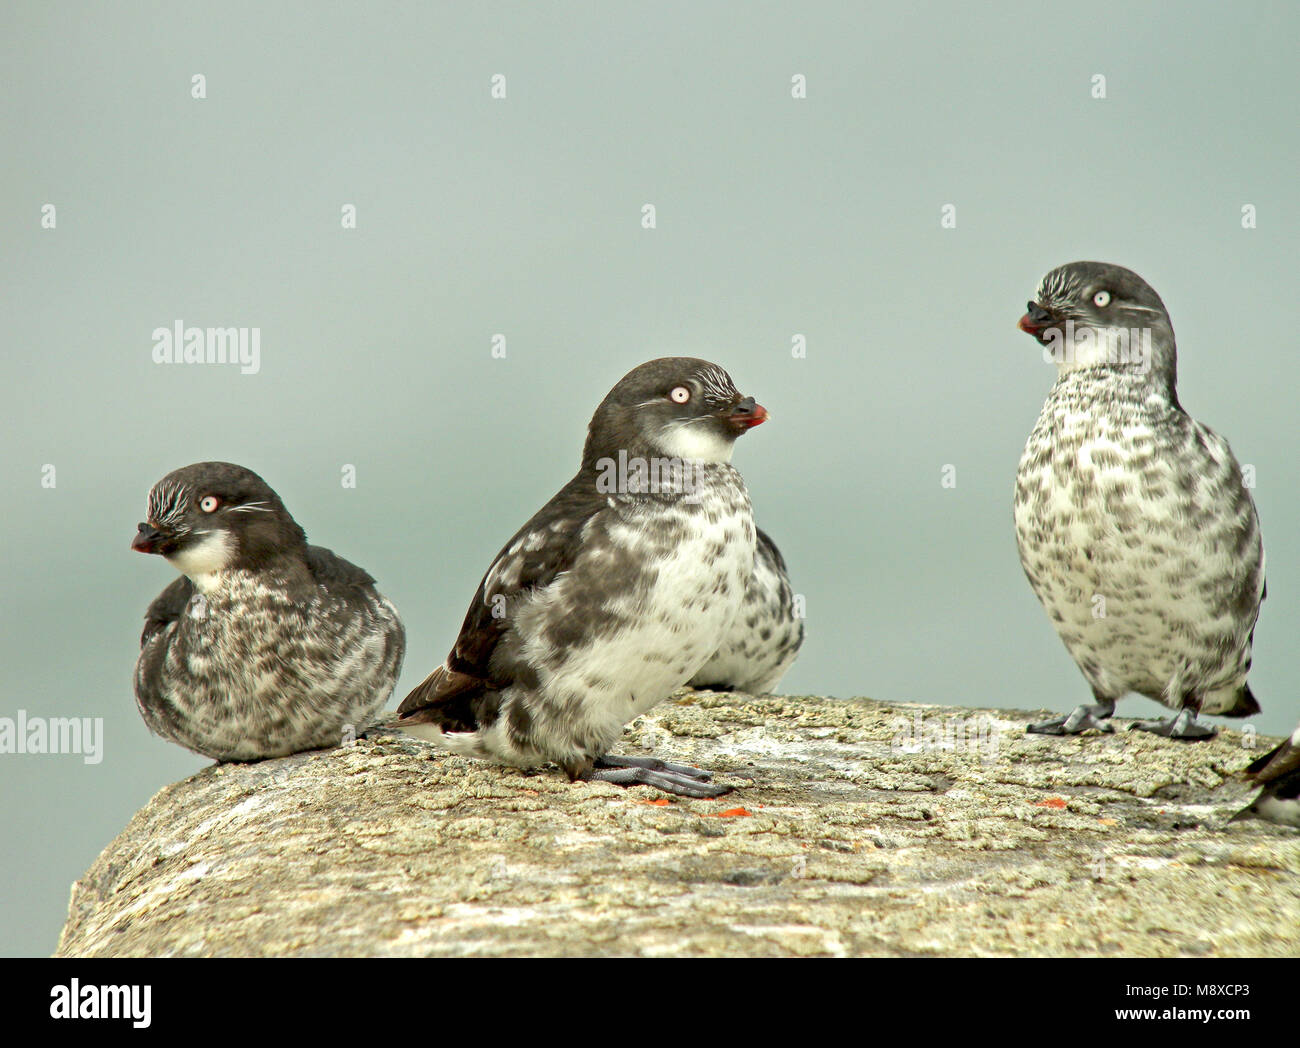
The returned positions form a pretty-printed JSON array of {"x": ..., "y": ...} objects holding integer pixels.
[{"x": 1020, "y": 845}]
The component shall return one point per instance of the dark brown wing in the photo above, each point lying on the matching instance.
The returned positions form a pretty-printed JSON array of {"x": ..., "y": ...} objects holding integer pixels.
[
  {"x": 764, "y": 541},
  {"x": 329, "y": 569},
  {"x": 167, "y": 607},
  {"x": 537, "y": 553}
]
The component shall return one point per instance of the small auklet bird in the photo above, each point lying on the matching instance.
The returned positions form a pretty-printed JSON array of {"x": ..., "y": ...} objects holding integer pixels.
[
  {"x": 613, "y": 595},
  {"x": 1134, "y": 526},
  {"x": 1278, "y": 771},
  {"x": 265, "y": 646},
  {"x": 764, "y": 638}
]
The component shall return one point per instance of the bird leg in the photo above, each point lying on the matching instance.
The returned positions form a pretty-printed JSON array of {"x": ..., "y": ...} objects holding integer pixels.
[
  {"x": 1080, "y": 720},
  {"x": 1183, "y": 726},
  {"x": 649, "y": 771}
]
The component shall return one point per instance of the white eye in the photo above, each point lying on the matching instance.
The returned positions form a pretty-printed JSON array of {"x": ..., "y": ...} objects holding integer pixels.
[
  {"x": 1101, "y": 299},
  {"x": 209, "y": 503},
  {"x": 680, "y": 395}
]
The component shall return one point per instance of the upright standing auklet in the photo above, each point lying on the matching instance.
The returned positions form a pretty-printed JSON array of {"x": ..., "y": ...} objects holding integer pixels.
[{"x": 1134, "y": 525}]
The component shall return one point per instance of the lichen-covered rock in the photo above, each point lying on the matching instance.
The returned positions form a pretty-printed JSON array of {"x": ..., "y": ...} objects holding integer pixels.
[{"x": 850, "y": 832}]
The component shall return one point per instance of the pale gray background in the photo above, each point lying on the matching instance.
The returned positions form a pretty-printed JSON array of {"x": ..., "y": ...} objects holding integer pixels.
[{"x": 523, "y": 217}]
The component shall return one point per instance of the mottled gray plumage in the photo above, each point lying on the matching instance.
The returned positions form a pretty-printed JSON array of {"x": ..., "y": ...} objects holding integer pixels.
[
  {"x": 765, "y": 637},
  {"x": 1278, "y": 771},
  {"x": 265, "y": 646},
  {"x": 1134, "y": 526},
  {"x": 610, "y": 597}
]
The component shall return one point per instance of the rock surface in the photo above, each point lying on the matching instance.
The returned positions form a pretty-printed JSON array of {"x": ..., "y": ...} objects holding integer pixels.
[{"x": 846, "y": 835}]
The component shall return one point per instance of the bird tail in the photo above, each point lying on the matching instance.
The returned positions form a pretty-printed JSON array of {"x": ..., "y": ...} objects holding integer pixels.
[
  {"x": 466, "y": 743},
  {"x": 1245, "y": 706},
  {"x": 1260, "y": 763}
]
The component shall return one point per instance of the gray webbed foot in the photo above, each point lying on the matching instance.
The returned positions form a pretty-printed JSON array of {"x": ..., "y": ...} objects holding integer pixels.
[
  {"x": 1183, "y": 726},
  {"x": 653, "y": 764},
  {"x": 677, "y": 779},
  {"x": 1083, "y": 718}
]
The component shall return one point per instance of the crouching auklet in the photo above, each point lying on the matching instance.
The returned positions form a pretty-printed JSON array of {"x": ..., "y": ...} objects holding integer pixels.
[
  {"x": 1134, "y": 525},
  {"x": 613, "y": 595},
  {"x": 265, "y": 646}
]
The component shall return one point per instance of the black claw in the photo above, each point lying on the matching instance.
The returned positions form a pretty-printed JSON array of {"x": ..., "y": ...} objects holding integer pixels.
[
  {"x": 1183, "y": 727},
  {"x": 1082, "y": 719},
  {"x": 653, "y": 764},
  {"x": 1170, "y": 730},
  {"x": 680, "y": 785}
]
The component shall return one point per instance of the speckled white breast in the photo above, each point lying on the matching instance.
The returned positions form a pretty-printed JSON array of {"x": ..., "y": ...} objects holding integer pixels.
[
  {"x": 250, "y": 674},
  {"x": 1129, "y": 522},
  {"x": 695, "y": 560}
]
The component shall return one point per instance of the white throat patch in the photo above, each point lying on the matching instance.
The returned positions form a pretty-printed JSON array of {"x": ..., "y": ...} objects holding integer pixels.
[
  {"x": 201, "y": 562},
  {"x": 695, "y": 441},
  {"x": 1084, "y": 346}
]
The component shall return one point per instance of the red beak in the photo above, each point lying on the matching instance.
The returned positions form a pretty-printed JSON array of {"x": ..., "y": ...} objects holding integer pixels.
[
  {"x": 1037, "y": 320},
  {"x": 146, "y": 539},
  {"x": 746, "y": 414}
]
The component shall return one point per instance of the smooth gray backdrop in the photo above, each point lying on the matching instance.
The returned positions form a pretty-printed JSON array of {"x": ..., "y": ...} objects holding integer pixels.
[{"x": 522, "y": 216}]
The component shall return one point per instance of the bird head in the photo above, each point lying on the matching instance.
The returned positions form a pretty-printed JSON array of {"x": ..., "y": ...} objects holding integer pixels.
[
  {"x": 672, "y": 407},
  {"x": 215, "y": 516},
  {"x": 1093, "y": 314}
]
